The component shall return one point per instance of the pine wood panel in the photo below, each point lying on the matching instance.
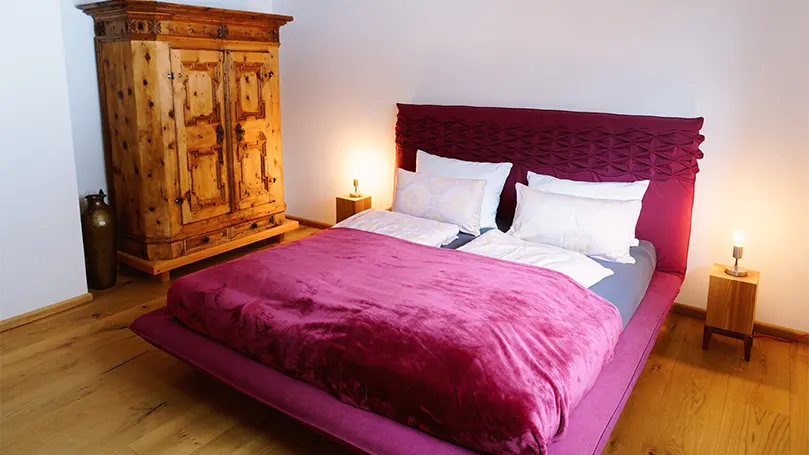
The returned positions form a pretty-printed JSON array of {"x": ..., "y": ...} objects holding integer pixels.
[
  {"x": 182, "y": 24},
  {"x": 208, "y": 240},
  {"x": 105, "y": 133},
  {"x": 196, "y": 254},
  {"x": 256, "y": 173},
  {"x": 122, "y": 114},
  {"x": 275, "y": 163},
  {"x": 251, "y": 227},
  {"x": 79, "y": 382},
  {"x": 199, "y": 104},
  {"x": 150, "y": 63},
  {"x": 212, "y": 224}
]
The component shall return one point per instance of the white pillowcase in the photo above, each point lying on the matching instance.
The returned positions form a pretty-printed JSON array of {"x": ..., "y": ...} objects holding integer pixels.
[
  {"x": 495, "y": 175},
  {"x": 449, "y": 200},
  {"x": 616, "y": 191},
  {"x": 595, "y": 227},
  {"x": 577, "y": 266},
  {"x": 399, "y": 225}
]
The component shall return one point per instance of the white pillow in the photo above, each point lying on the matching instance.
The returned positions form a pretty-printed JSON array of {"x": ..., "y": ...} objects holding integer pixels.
[
  {"x": 495, "y": 175},
  {"x": 445, "y": 199},
  {"x": 595, "y": 227},
  {"x": 399, "y": 225},
  {"x": 577, "y": 266},
  {"x": 616, "y": 191}
]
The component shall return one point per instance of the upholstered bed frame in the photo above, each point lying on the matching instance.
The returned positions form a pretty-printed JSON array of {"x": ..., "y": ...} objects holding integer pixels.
[
  {"x": 576, "y": 146},
  {"x": 580, "y": 146}
]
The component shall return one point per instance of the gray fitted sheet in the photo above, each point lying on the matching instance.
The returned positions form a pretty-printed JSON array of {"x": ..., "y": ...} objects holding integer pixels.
[
  {"x": 627, "y": 286},
  {"x": 463, "y": 239}
]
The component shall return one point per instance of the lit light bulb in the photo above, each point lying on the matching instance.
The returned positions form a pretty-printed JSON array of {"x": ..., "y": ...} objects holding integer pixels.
[
  {"x": 738, "y": 249},
  {"x": 738, "y": 238}
]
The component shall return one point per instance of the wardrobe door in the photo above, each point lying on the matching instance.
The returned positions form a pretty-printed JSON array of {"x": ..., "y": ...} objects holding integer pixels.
[
  {"x": 255, "y": 128},
  {"x": 199, "y": 109}
]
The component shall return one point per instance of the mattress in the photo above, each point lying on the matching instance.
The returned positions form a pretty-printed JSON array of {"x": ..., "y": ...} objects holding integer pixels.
[{"x": 627, "y": 285}]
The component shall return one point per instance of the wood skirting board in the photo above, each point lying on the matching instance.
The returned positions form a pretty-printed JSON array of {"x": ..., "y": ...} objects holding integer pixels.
[
  {"x": 758, "y": 327},
  {"x": 40, "y": 313},
  {"x": 310, "y": 223}
]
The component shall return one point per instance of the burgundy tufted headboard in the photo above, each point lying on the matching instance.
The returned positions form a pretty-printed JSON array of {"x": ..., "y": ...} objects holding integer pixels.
[{"x": 572, "y": 145}]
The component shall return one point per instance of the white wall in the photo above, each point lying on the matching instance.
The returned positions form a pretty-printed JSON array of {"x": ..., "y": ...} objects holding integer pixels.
[
  {"x": 741, "y": 64},
  {"x": 83, "y": 83},
  {"x": 41, "y": 257}
]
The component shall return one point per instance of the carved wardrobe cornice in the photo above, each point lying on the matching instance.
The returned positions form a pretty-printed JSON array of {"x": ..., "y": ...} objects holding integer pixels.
[{"x": 119, "y": 20}]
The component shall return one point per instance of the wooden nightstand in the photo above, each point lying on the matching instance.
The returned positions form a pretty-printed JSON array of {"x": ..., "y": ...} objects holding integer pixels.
[
  {"x": 348, "y": 206},
  {"x": 731, "y": 307}
]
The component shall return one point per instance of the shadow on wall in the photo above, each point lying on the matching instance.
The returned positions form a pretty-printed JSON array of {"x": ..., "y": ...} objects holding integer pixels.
[{"x": 85, "y": 113}]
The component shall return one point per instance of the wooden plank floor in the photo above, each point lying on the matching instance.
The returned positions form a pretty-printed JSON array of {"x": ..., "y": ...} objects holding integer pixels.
[{"x": 81, "y": 383}]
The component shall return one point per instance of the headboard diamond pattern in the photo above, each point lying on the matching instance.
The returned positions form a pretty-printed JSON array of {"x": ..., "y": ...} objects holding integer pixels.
[{"x": 572, "y": 145}]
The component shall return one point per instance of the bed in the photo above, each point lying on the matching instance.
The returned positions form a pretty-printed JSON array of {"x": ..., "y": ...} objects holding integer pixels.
[{"x": 578, "y": 146}]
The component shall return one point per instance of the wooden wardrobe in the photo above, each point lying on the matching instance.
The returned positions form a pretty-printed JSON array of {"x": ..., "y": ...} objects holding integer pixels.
[{"x": 192, "y": 129}]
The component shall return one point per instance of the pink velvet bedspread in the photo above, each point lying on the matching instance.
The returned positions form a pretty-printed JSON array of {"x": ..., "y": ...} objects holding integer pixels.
[{"x": 489, "y": 354}]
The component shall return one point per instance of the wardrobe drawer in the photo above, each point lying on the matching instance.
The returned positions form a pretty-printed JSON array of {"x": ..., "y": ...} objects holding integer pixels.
[
  {"x": 251, "y": 227},
  {"x": 206, "y": 241}
]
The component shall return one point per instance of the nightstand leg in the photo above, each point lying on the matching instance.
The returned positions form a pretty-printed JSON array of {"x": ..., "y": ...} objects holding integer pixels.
[
  {"x": 706, "y": 337},
  {"x": 748, "y": 346}
]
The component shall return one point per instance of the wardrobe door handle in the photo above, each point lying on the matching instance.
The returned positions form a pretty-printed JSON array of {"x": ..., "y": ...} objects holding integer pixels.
[
  {"x": 254, "y": 226},
  {"x": 239, "y": 132},
  {"x": 220, "y": 134},
  {"x": 206, "y": 239}
]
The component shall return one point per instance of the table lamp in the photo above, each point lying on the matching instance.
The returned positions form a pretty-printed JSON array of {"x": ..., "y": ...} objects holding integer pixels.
[
  {"x": 738, "y": 248},
  {"x": 356, "y": 192}
]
